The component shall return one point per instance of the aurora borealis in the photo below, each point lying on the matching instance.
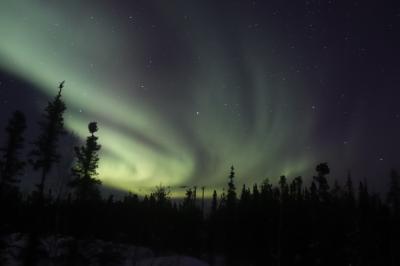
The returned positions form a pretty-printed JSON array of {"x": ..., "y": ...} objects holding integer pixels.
[{"x": 182, "y": 90}]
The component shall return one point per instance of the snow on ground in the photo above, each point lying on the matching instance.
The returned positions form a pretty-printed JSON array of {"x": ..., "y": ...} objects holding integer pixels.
[
  {"x": 56, "y": 250},
  {"x": 171, "y": 261}
]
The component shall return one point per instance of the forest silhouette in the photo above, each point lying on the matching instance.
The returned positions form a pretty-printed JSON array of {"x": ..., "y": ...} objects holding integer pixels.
[{"x": 288, "y": 223}]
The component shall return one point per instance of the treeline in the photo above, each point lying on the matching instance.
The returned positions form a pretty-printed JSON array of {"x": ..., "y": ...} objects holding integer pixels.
[{"x": 290, "y": 223}]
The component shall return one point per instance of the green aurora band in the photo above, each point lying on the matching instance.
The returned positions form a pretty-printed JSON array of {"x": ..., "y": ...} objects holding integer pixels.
[{"x": 174, "y": 123}]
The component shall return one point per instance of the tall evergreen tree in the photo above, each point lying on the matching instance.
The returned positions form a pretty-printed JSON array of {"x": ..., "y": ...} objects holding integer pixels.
[
  {"x": 313, "y": 192},
  {"x": 255, "y": 194},
  {"x": 298, "y": 187},
  {"x": 245, "y": 196},
  {"x": 160, "y": 197},
  {"x": 231, "y": 194},
  {"x": 45, "y": 155},
  {"x": 214, "y": 203},
  {"x": 230, "y": 219},
  {"x": 349, "y": 190},
  {"x": 85, "y": 168},
  {"x": 336, "y": 190},
  {"x": 11, "y": 164},
  {"x": 189, "y": 200},
  {"x": 363, "y": 196},
  {"x": 323, "y": 186},
  {"x": 266, "y": 191},
  {"x": 393, "y": 197},
  {"x": 284, "y": 188}
]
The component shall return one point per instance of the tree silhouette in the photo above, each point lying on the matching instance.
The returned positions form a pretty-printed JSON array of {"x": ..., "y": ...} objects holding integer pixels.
[
  {"x": 161, "y": 196},
  {"x": 231, "y": 194},
  {"x": 296, "y": 188},
  {"x": 11, "y": 164},
  {"x": 363, "y": 195},
  {"x": 230, "y": 219},
  {"x": 214, "y": 203},
  {"x": 284, "y": 188},
  {"x": 85, "y": 168},
  {"x": 323, "y": 186},
  {"x": 255, "y": 195},
  {"x": 245, "y": 196},
  {"x": 349, "y": 193},
  {"x": 313, "y": 192},
  {"x": 189, "y": 200},
  {"x": 393, "y": 197},
  {"x": 45, "y": 155}
]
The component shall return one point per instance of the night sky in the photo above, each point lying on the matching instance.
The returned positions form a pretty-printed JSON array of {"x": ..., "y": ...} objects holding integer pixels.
[{"x": 182, "y": 90}]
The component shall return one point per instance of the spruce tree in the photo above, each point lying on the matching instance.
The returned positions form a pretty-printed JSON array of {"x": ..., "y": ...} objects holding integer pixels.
[
  {"x": 313, "y": 192},
  {"x": 245, "y": 197},
  {"x": 336, "y": 191},
  {"x": 214, "y": 203},
  {"x": 393, "y": 197},
  {"x": 230, "y": 219},
  {"x": 189, "y": 200},
  {"x": 266, "y": 191},
  {"x": 11, "y": 164},
  {"x": 284, "y": 188},
  {"x": 45, "y": 155},
  {"x": 85, "y": 168},
  {"x": 350, "y": 198},
  {"x": 256, "y": 194},
  {"x": 298, "y": 181},
  {"x": 323, "y": 186},
  {"x": 363, "y": 196},
  {"x": 231, "y": 194}
]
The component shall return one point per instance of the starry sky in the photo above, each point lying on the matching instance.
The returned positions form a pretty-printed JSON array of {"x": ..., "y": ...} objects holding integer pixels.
[{"x": 182, "y": 90}]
